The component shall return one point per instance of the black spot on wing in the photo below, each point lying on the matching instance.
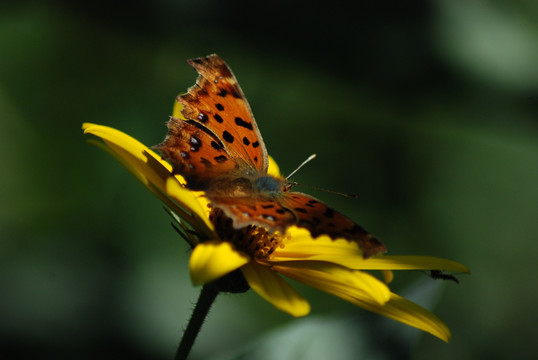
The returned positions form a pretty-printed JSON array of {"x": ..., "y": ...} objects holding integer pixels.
[
  {"x": 215, "y": 145},
  {"x": 218, "y": 118},
  {"x": 243, "y": 123},
  {"x": 329, "y": 212},
  {"x": 219, "y": 107},
  {"x": 227, "y": 137}
]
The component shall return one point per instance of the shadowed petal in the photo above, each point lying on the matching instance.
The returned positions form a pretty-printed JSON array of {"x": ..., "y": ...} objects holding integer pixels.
[
  {"x": 366, "y": 291},
  {"x": 412, "y": 262},
  {"x": 336, "y": 280},
  {"x": 407, "y": 312}
]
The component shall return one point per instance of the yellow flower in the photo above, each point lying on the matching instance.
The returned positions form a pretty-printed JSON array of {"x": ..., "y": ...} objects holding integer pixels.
[{"x": 334, "y": 266}]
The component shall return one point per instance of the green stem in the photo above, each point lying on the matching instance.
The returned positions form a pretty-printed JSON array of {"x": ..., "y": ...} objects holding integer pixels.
[{"x": 206, "y": 299}]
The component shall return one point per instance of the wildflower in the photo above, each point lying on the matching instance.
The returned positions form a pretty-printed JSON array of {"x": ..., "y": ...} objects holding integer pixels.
[{"x": 334, "y": 266}]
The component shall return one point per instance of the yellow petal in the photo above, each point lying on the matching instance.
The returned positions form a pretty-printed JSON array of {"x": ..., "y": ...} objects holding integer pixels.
[
  {"x": 129, "y": 164},
  {"x": 407, "y": 312},
  {"x": 299, "y": 245},
  {"x": 125, "y": 141},
  {"x": 271, "y": 287},
  {"x": 178, "y": 107},
  {"x": 137, "y": 174},
  {"x": 211, "y": 260},
  {"x": 366, "y": 291},
  {"x": 336, "y": 280},
  {"x": 273, "y": 167},
  {"x": 149, "y": 167},
  {"x": 412, "y": 262},
  {"x": 157, "y": 192}
]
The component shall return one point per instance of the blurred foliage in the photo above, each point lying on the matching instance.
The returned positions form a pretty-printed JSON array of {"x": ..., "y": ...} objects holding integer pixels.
[{"x": 427, "y": 111}]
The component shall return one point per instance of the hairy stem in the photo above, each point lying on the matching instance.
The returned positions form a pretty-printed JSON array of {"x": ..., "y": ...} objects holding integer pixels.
[{"x": 206, "y": 299}]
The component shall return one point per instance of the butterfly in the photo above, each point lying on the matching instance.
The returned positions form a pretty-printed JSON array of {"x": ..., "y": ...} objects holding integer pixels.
[{"x": 218, "y": 148}]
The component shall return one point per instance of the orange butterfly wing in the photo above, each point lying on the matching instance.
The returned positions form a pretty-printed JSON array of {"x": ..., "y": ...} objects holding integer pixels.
[
  {"x": 219, "y": 136},
  {"x": 246, "y": 211},
  {"x": 321, "y": 219},
  {"x": 218, "y": 148},
  {"x": 217, "y": 103},
  {"x": 195, "y": 153}
]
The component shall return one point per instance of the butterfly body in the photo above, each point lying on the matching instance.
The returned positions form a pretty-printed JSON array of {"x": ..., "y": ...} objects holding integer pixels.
[
  {"x": 218, "y": 148},
  {"x": 259, "y": 186},
  {"x": 270, "y": 185}
]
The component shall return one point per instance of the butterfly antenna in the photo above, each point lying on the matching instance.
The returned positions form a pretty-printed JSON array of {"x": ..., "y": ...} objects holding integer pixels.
[
  {"x": 351, "y": 196},
  {"x": 310, "y": 158}
]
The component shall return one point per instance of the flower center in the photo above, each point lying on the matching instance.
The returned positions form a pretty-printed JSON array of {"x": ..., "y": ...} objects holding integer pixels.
[{"x": 253, "y": 240}]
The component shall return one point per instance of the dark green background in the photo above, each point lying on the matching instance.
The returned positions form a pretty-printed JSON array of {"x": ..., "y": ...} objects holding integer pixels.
[{"x": 426, "y": 110}]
